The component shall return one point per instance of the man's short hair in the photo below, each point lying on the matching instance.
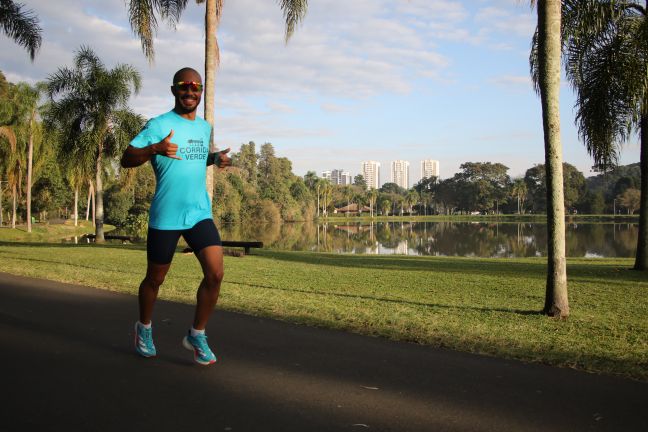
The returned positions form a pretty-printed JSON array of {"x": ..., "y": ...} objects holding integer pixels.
[{"x": 176, "y": 77}]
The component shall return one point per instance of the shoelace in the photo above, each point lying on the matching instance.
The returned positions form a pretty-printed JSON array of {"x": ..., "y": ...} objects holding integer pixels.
[
  {"x": 146, "y": 335},
  {"x": 201, "y": 341}
]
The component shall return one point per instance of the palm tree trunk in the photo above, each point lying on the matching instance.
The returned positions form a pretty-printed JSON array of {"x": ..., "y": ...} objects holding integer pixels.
[
  {"x": 549, "y": 15},
  {"x": 13, "y": 211},
  {"x": 30, "y": 158},
  {"x": 212, "y": 13},
  {"x": 1, "y": 208},
  {"x": 641, "y": 260},
  {"x": 89, "y": 200},
  {"x": 99, "y": 211},
  {"x": 76, "y": 205},
  {"x": 14, "y": 194}
]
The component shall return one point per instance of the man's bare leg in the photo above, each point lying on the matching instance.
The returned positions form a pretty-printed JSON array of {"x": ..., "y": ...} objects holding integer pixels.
[
  {"x": 149, "y": 288},
  {"x": 211, "y": 260}
]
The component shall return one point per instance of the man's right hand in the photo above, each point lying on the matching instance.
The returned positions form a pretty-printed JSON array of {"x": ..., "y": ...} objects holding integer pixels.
[{"x": 166, "y": 147}]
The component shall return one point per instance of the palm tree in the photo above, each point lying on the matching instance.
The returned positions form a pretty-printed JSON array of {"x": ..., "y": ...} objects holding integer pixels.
[
  {"x": 29, "y": 128},
  {"x": 411, "y": 199},
  {"x": 372, "y": 196},
  {"x": 606, "y": 52},
  {"x": 519, "y": 190},
  {"x": 20, "y": 25},
  {"x": 547, "y": 80},
  {"x": 89, "y": 104},
  {"x": 143, "y": 21}
]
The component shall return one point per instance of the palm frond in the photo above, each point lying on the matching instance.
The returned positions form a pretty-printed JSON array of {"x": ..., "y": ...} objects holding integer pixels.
[
  {"x": 21, "y": 25},
  {"x": 294, "y": 12},
  {"x": 143, "y": 22},
  {"x": 171, "y": 10},
  {"x": 8, "y": 133}
]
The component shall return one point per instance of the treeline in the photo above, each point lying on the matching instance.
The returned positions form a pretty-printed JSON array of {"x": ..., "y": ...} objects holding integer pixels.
[{"x": 46, "y": 162}]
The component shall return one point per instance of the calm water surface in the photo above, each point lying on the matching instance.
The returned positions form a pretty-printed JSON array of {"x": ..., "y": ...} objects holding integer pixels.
[
  {"x": 441, "y": 238},
  {"x": 473, "y": 239}
]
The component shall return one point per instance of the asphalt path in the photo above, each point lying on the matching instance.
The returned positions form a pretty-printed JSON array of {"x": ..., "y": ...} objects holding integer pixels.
[{"x": 67, "y": 363}]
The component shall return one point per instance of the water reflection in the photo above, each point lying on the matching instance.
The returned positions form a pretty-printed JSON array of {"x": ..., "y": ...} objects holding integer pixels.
[
  {"x": 440, "y": 238},
  {"x": 471, "y": 239}
]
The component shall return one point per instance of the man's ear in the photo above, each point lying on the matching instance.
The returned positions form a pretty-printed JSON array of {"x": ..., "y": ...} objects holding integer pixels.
[{"x": 173, "y": 90}]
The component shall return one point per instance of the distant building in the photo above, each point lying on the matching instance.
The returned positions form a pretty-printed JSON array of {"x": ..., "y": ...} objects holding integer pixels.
[
  {"x": 400, "y": 173},
  {"x": 326, "y": 175},
  {"x": 370, "y": 170},
  {"x": 429, "y": 168},
  {"x": 341, "y": 177}
]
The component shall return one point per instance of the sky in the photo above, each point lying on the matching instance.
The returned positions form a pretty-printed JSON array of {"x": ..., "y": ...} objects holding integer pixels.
[{"x": 359, "y": 80}]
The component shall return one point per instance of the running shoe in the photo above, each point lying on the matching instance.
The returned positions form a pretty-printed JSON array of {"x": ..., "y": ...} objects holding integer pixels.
[
  {"x": 144, "y": 341},
  {"x": 198, "y": 344}
]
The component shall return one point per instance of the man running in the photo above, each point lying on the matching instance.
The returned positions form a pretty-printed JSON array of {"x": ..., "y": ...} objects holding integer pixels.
[{"x": 177, "y": 144}]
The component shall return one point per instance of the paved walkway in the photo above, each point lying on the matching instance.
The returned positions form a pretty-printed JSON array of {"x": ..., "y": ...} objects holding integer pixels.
[{"x": 67, "y": 364}]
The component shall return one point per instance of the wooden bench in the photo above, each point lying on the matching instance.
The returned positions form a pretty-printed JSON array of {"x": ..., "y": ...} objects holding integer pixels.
[{"x": 246, "y": 245}]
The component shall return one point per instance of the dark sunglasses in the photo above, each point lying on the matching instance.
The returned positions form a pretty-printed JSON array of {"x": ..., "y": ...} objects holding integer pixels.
[{"x": 189, "y": 85}]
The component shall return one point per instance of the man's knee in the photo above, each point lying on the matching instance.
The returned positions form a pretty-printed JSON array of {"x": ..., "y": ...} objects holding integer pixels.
[
  {"x": 155, "y": 279},
  {"x": 213, "y": 279}
]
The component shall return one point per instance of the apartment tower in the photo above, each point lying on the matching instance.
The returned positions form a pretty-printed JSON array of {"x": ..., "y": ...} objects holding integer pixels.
[
  {"x": 429, "y": 168},
  {"x": 370, "y": 170},
  {"x": 400, "y": 173}
]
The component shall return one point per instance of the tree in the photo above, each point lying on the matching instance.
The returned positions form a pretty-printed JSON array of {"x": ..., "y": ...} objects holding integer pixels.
[
  {"x": 411, "y": 199},
  {"x": 143, "y": 21},
  {"x": 28, "y": 98},
  {"x": 392, "y": 188},
  {"x": 21, "y": 25},
  {"x": 606, "y": 61},
  {"x": 89, "y": 103},
  {"x": 547, "y": 80},
  {"x": 372, "y": 196},
  {"x": 630, "y": 199},
  {"x": 360, "y": 181},
  {"x": 246, "y": 159},
  {"x": 519, "y": 191}
]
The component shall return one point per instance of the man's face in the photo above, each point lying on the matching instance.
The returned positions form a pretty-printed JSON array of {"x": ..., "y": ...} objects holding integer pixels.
[{"x": 187, "y": 95}]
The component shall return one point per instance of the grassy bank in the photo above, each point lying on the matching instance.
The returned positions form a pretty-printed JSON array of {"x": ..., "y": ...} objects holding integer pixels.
[
  {"x": 42, "y": 232},
  {"x": 485, "y": 306}
]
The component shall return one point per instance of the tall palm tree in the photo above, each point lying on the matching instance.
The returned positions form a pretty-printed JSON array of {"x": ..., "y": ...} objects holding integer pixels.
[
  {"x": 143, "y": 21},
  {"x": 29, "y": 128},
  {"x": 605, "y": 44},
  {"x": 20, "y": 25},
  {"x": 547, "y": 79},
  {"x": 89, "y": 103},
  {"x": 372, "y": 195},
  {"x": 519, "y": 190}
]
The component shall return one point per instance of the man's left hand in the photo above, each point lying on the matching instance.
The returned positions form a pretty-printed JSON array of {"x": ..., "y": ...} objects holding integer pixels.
[{"x": 222, "y": 159}]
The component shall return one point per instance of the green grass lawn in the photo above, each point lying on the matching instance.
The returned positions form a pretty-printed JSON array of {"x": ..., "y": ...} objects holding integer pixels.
[
  {"x": 487, "y": 306},
  {"x": 42, "y": 232}
]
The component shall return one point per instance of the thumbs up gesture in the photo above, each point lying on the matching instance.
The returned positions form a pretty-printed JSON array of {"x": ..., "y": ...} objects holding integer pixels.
[{"x": 222, "y": 159}]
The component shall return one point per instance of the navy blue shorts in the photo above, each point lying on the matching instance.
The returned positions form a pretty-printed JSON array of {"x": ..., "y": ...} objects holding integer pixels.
[{"x": 161, "y": 244}]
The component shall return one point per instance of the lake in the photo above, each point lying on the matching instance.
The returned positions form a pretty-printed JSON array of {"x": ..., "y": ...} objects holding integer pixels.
[
  {"x": 470, "y": 239},
  {"x": 476, "y": 239}
]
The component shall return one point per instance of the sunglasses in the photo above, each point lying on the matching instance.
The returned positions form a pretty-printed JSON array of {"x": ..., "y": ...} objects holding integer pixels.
[{"x": 189, "y": 85}]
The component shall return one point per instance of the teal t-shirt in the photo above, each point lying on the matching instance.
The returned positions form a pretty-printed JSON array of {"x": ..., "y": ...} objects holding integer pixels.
[{"x": 181, "y": 198}]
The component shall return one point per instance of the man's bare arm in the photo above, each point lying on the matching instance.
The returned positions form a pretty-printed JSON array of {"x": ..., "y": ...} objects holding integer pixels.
[{"x": 134, "y": 157}]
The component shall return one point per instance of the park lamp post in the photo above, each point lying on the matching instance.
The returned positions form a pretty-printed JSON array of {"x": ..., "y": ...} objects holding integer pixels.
[{"x": 614, "y": 206}]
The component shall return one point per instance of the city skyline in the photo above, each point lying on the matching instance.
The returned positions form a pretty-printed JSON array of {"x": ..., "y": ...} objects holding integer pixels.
[{"x": 429, "y": 167}]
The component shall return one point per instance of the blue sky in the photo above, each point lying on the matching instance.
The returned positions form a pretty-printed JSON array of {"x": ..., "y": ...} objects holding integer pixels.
[{"x": 360, "y": 80}]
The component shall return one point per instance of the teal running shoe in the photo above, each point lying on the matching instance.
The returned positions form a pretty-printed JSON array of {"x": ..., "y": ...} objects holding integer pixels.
[
  {"x": 198, "y": 344},
  {"x": 144, "y": 341}
]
